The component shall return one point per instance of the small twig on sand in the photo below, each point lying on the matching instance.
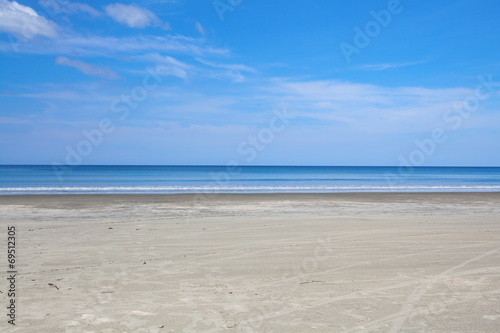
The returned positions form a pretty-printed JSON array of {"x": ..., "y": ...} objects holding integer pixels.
[{"x": 53, "y": 285}]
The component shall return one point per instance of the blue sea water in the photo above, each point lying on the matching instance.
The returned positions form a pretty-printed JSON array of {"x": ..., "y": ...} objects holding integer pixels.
[{"x": 44, "y": 179}]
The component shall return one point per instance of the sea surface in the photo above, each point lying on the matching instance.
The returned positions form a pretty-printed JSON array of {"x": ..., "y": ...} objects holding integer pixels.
[{"x": 45, "y": 179}]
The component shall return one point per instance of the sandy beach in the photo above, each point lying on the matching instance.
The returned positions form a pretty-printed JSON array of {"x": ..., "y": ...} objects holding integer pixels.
[{"x": 427, "y": 262}]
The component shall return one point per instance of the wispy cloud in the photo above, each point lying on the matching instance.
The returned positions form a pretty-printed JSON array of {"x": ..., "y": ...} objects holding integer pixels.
[
  {"x": 199, "y": 68},
  {"x": 368, "y": 107},
  {"x": 332, "y": 90},
  {"x": 167, "y": 65},
  {"x": 200, "y": 28},
  {"x": 232, "y": 67},
  {"x": 68, "y": 7},
  {"x": 133, "y": 16},
  {"x": 231, "y": 71},
  {"x": 24, "y": 22},
  {"x": 88, "y": 69},
  {"x": 112, "y": 46},
  {"x": 382, "y": 67}
]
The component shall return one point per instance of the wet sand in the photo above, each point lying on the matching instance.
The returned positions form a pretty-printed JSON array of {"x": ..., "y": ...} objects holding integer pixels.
[{"x": 254, "y": 262}]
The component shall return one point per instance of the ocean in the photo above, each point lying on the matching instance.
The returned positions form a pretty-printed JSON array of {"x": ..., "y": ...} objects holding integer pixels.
[{"x": 44, "y": 179}]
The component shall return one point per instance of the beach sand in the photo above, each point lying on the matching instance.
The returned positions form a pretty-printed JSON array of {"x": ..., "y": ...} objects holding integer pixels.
[{"x": 426, "y": 262}]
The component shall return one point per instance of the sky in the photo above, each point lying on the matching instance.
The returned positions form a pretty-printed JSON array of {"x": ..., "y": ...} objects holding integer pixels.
[{"x": 204, "y": 82}]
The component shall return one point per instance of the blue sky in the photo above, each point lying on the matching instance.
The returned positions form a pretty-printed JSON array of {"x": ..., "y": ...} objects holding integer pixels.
[{"x": 305, "y": 82}]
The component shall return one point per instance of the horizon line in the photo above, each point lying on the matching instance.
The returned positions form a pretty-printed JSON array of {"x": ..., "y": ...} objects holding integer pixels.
[{"x": 265, "y": 165}]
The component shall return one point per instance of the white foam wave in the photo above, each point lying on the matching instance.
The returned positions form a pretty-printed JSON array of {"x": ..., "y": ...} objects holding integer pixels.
[{"x": 243, "y": 189}]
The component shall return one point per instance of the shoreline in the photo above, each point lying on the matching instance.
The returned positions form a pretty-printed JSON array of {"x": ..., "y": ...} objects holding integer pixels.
[
  {"x": 260, "y": 193},
  {"x": 364, "y": 196}
]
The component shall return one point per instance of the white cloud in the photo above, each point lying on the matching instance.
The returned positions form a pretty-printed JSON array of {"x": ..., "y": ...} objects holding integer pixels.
[
  {"x": 382, "y": 67},
  {"x": 23, "y": 21},
  {"x": 340, "y": 91},
  {"x": 200, "y": 28},
  {"x": 111, "y": 46},
  {"x": 133, "y": 16},
  {"x": 371, "y": 108},
  {"x": 104, "y": 45},
  {"x": 232, "y": 67},
  {"x": 87, "y": 68},
  {"x": 68, "y": 7},
  {"x": 231, "y": 71},
  {"x": 167, "y": 65}
]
